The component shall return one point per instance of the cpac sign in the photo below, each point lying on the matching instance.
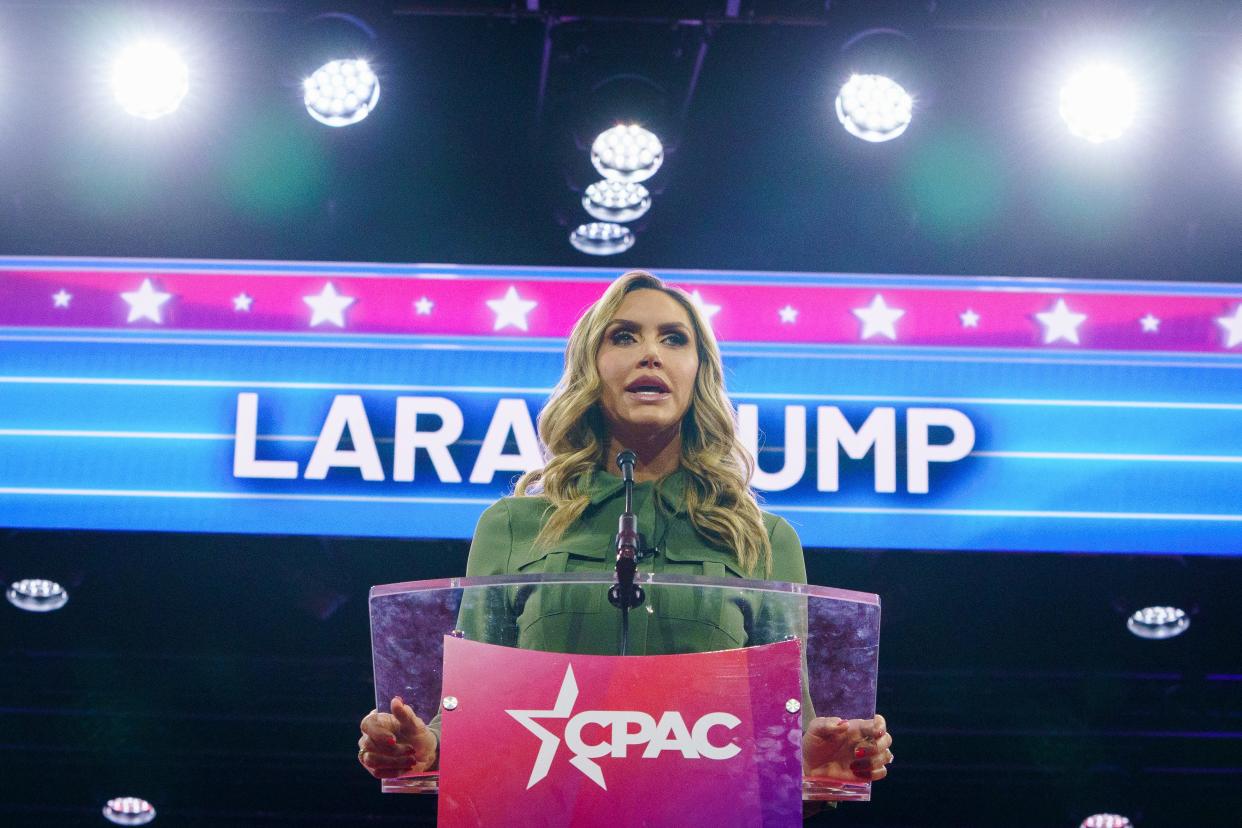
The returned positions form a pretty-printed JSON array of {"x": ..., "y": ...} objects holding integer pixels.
[
  {"x": 670, "y": 733},
  {"x": 708, "y": 734},
  {"x": 878, "y": 435}
]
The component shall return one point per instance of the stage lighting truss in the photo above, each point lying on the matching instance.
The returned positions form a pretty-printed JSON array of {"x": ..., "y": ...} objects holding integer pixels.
[
  {"x": 37, "y": 595},
  {"x": 627, "y": 153},
  {"x": 341, "y": 92},
  {"x": 1158, "y": 622},
  {"x": 128, "y": 810},
  {"x": 601, "y": 238},
  {"x": 1099, "y": 102},
  {"x": 874, "y": 108},
  {"x": 616, "y": 201},
  {"x": 150, "y": 80}
]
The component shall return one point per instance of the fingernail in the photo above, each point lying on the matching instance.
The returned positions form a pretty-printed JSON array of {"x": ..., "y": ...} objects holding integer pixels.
[
  {"x": 392, "y": 742},
  {"x": 399, "y": 699},
  {"x": 843, "y": 723},
  {"x": 860, "y": 752}
]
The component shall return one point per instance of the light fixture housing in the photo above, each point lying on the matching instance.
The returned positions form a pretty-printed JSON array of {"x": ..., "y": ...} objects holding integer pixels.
[
  {"x": 37, "y": 595},
  {"x": 601, "y": 238},
  {"x": 1106, "y": 821},
  {"x": 128, "y": 810},
  {"x": 616, "y": 201},
  {"x": 874, "y": 108},
  {"x": 341, "y": 92},
  {"x": 1158, "y": 623},
  {"x": 627, "y": 153}
]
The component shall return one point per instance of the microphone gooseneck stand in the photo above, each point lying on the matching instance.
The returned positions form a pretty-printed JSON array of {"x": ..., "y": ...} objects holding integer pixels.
[{"x": 625, "y": 594}]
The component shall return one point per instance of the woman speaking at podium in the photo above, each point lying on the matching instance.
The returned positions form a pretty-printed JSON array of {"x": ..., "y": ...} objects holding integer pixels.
[{"x": 643, "y": 373}]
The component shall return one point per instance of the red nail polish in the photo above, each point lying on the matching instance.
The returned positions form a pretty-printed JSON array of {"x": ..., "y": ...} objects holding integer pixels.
[{"x": 860, "y": 752}]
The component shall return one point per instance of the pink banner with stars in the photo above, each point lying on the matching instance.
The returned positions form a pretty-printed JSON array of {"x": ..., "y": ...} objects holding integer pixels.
[{"x": 767, "y": 308}]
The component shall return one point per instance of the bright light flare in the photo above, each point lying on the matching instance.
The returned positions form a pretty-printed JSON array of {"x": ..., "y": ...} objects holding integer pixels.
[
  {"x": 1099, "y": 102},
  {"x": 150, "y": 80},
  {"x": 341, "y": 92},
  {"x": 874, "y": 108},
  {"x": 627, "y": 153}
]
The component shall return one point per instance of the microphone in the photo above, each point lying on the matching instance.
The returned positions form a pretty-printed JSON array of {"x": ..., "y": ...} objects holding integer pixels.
[{"x": 624, "y": 594}]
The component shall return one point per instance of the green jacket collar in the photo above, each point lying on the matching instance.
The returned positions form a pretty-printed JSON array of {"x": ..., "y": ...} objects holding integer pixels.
[{"x": 671, "y": 488}]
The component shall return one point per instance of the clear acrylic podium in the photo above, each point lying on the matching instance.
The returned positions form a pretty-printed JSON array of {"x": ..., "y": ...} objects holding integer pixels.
[{"x": 837, "y": 633}]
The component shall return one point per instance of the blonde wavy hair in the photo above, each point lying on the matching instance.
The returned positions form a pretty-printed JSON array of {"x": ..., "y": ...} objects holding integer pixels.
[{"x": 719, "y": 501}]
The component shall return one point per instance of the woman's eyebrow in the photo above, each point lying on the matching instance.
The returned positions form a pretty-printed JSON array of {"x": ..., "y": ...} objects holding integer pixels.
[{"x": 663, "y": 326}]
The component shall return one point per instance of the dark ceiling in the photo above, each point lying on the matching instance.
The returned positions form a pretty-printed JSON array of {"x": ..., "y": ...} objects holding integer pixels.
[{"x": 223, "y": 677}]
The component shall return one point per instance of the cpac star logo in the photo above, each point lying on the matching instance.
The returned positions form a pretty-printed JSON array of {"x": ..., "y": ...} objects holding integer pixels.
[{"x": 626, "y": 728}]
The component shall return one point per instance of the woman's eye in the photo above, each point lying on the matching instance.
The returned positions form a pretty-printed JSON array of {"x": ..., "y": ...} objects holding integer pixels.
[
  {"x": 621, "y": 337},
  {"x": 676, "y": 339}
]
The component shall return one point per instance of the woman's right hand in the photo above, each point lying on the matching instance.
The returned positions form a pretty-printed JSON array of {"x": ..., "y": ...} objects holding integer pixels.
[{"x": 397, "y": 743}]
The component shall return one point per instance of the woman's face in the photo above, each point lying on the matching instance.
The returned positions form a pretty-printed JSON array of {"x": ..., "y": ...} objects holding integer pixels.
[{"x": 648, "y": 362}]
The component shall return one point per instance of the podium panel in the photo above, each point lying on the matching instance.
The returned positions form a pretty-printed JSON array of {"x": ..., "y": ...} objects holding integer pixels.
[
  {"x": 604, "y": 740},
  {"x": 510, "y": 643}
]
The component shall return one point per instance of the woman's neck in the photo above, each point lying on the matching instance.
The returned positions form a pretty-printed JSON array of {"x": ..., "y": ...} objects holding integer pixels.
[{"x": 658, "y": 454}]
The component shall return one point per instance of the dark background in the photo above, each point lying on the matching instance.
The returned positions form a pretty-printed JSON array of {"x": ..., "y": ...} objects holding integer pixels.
[{"x": 222, "y": 677}]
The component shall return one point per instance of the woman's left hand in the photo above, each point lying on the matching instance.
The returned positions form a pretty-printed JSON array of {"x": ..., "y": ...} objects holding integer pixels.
[{"x": 850, "y": 750}]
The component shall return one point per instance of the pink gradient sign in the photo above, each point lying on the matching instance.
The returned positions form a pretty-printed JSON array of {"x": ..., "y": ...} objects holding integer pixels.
[{"x": 557, "y": 739}]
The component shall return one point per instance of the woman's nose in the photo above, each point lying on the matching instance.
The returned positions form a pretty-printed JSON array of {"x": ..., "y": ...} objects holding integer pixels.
[{"x": 651, "y": 359}]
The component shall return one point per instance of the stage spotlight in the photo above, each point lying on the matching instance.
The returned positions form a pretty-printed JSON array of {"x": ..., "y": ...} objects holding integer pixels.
[
  {"x": 1106, "y": 821},
  {"x": 341, "y": 92},
  {"x": 627, "y": 153},
  {"x": 616, "y": 201},
  {"x": 150, "y": 80},
  {"x": 874, "y": 107},
  {"x": 37, "y": 595},
  {"x": 601, "y": 238},
  {"x": 128, "y": 810},
  {"x": 1158, "y": 622},
  {"x": 1099, "y": 102}
]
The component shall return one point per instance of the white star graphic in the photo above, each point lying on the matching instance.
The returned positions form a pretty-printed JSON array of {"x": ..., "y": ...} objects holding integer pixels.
[
  {"x": 1232, "y": 326},
  {"x": 511, "y": 310},
  {"x": 423, "y": 306},
  {"x": 1060, "y": 323},
  {"x": 242, "y": 302},
  {"x": 1150, "y": 323},
  {"x": 707, "y": 310},
  {"x": 145, "y": 302},
  {"x": 61, "y": 298},
  {"x": 879, "y": 318},
  {"x": 547, "y": 742},
  {"x": 969, "y": 318},
  {"x": 789, "y": 315},
  {"x": 328, "y": 306}
]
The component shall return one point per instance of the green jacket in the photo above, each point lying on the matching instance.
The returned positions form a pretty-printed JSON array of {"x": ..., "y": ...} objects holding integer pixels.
[{"x": 579, "y": 619}]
